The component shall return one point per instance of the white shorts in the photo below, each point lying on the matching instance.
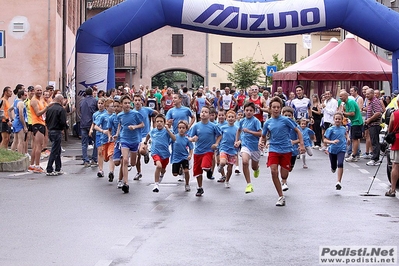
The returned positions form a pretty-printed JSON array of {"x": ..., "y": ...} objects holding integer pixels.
[
  {"x": 394, "y": 156},
  {"x": 255, "y": 155}
]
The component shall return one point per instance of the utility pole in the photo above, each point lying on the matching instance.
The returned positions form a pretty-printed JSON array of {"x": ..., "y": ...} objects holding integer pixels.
[{"x": 64, "y": 24}]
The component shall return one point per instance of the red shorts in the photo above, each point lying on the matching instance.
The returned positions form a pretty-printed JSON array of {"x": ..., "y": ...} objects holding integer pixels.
[
  {"x": 282, "y": 159},
  {"x": 164, "y": 162},
  {"x": 201, "y": 162}
]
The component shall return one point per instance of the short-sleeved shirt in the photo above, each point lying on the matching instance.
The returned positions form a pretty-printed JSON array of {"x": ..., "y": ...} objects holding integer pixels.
[
  {"x": 131, "y": 117},
  {"x": 295, "y": 147},
  {"x": 228, "y": 138},
  {"x": 352, "y": 106},
  {"x": 96, "y": 121},
  {"x": 306, "y": 133},
  {"x": 247, "y": 139},
  {"x": 179, "y": 148},
  {"x": 279, "y": 129},
  {"x": 333, "y": 133},
  {"x": 178, "y": 114},
  {"x": 113, "y": 124},
  {"x": 207, "y": 134},
  {"x": 301, "y": 107},
  {"x": 160, "y": 140},
  {"x": 146, "y": 112},
  {"x": 103, "y": 121},
  {"x": 374, "y": 107}
]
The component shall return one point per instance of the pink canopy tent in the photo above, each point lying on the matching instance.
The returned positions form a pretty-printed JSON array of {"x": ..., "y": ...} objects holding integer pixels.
[{"x": 347, "y": 64}]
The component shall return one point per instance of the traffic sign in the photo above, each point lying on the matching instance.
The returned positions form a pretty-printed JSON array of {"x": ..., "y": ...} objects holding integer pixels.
[{"x": 270, "y": 70}]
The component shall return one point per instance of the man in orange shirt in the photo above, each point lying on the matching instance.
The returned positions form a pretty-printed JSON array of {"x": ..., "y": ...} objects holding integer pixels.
[
  {"x": 37, "y": 109},
  {"x": 6, "y": 121}
]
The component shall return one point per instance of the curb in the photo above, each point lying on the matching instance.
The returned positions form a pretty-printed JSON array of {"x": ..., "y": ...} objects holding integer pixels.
[{"x": 18, "y": 166}]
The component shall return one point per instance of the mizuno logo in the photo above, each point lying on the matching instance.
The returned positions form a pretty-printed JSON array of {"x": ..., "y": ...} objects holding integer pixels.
[{"x": 232, "y": 18}]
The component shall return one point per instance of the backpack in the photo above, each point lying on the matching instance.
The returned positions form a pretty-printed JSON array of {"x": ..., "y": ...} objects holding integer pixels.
[{"x": 185, "y": 100}]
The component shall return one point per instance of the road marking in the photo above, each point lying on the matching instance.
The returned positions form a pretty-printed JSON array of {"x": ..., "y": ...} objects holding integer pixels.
[
  {"x": 122, "y": 242},
  {"x": 354, "y": 165},
  {"x": 384, "y": 185},
  {"x": 375, "y": 178},
  {"x": 103, "y": 263},
  {"x": 364, "y": 171},
  {"x": 159, "y": 207}
]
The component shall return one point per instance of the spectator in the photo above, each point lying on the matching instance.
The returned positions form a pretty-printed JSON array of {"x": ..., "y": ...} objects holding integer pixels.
[{"x": 88, "y": 106}]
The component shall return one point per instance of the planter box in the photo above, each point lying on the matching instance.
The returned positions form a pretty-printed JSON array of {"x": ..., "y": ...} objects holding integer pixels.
[{"x": 18, "y": 166}]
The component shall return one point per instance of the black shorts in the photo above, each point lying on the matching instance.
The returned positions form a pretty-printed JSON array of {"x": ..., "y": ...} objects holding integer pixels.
[
  {"x": 356, "y": 132},
  {"x": 4, "y": 127},
  {"x": 30, "y": 129},
  {"x": 326, "y": 125},
  {"x": 38, "y": 128},
  {"x": 176, "y": 166}
]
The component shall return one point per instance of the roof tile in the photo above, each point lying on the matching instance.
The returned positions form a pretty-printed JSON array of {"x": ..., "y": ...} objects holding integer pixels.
[{"x": 104, "y": 4}]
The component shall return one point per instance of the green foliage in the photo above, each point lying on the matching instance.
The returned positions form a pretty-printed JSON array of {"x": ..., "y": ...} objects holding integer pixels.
[
  {"x": 179, "y": 76},
  {"x": 279, "y": 62},
  {"x": 9, "y": 156},
  {"x": 197, "y": 81},
  {"x": 162, "y": 79},
  {"x": 168, "y": 79},
  {"x": 245, "y": 73}
]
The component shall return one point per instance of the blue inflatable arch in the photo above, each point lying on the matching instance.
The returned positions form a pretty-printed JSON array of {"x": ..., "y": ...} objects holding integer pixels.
[{"x": 264, "y": 18}]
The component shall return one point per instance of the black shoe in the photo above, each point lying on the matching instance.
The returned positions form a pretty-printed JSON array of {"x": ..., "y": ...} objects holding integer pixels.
[
  {"x": 125, "y": 188},
  {"x": 100, "y": 174},
  {"x": 111, "y": 176},
  {"x": 209, "y": 175},
  {"x": 200, "y": 191},
  {"x": 146, "y": 158}
]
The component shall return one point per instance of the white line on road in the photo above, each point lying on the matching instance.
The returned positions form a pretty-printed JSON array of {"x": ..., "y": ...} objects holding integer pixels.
[
  {"x": 122, "y": 242},
  {"x": 103, "y": 263},
  {"x": 375, "y": 178},
  {"x": 364, "y": 171},
  {"x": 353, "y": 165},
  {"x": 384, "y": 185}
]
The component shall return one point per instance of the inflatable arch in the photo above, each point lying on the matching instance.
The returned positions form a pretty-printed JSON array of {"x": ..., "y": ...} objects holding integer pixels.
[{"x": 132, "y": 19}]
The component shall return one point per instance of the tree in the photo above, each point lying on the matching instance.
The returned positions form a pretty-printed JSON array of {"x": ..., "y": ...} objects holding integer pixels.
[
  {"x": 276, "y": 62},
  {"x": 162, "y": 79},
  {"x": 245, "y": 73}
]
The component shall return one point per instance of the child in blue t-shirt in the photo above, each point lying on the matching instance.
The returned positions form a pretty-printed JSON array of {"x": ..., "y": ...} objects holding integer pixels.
[
  {"x": 248, "y": 133},
  {"x": 228, "y": 153},
  {"x": 161, "y": 137},
  {"x": 307, "y": 135},
  {"x": 180, "y": 155},
  {"x": 338, "y": 137},
  {"x": 97, "y": 136},
  {"x": 207, "y": 136},
  {"x": 280, "y": 147}
]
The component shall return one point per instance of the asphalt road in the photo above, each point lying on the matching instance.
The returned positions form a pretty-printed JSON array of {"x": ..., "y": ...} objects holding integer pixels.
[{"x": 79, "y": 219}]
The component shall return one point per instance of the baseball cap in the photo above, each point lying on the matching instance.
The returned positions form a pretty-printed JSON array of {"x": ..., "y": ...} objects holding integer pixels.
[{"x": 395, "y": 92}]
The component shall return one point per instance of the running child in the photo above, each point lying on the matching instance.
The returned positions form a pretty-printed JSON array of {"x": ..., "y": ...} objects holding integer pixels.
[
  {"x": 240, "y": 115},
  {"x": 221, "y": 122},
  {"x": 161, "y": 138},
  {"x": 207, "y": 136},
  {"x": 129, "y": 130},
  {"x": 248, "y": 133},
  {"x": 228, "y": 153},
  {"x": 280, "y": 146},
  {"x": 307, "y": 133},
  {"x": 338, "y": 138},
  {"x": 180, "y": 155},
  {"x": 115, "y": 141},
  {"x": 97, "y": 143}
]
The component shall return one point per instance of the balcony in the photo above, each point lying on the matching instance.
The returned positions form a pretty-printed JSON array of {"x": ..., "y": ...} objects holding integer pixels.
[{"x": 125, "y": 60}]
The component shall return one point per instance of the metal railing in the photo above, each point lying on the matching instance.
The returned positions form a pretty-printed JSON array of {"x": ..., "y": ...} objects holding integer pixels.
[{"x": 126, "y": 60}]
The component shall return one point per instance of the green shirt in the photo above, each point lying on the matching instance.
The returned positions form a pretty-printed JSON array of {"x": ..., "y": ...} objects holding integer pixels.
[
  {"x": 351, "y": 106},
  {"x": 158, "y": 96}
]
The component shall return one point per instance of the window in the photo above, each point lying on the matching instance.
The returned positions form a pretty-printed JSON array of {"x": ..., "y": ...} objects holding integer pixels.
[
  {"x": 290, "y": 52},
  {"x": 226, "y": 53},
  {"x": 224, "y": 85},
  {"x": 177, "y": 44}
]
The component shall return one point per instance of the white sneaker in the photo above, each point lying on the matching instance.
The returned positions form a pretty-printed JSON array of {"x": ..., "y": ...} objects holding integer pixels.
[
  {"x": 227, "y": 184},
  {"x": 120, "y": 184},
  {"x": 316, "y": 147},
  {"x": 187, "y": 188},
  {"x": 90, "y": 147},
  {"x": 62, "y": 149},
  {"x": 351, "y": 159},
  {"x": 373, "y": 163},
  {"x": 284, "y": 186},
  {"x": 281, "y": 201},
  {"x": 156, "y": 188}
]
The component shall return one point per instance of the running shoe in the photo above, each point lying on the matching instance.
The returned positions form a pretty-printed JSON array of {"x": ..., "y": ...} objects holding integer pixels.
[
  {"x": 237, "y": 171},
  {"x": 373, "y": 163},
  {"x": 125, "y": 188},
  {"x": 51, "y": 174},
  {"x": 59, "y": 172},
  {"x": 146, "y": 158},
  {"x": 110, "y": 177},
  {"x": 351, "y": 159},
  {"x": 227, "y": 185},
  {"x": 181, "y": 178},
  {"x": 93, "y": 164},
  {"x": 222, "y": 179},
  {"x": 390, "y": 193},
  {"x": 256, "y": 173},
  {"x": 338, "y": 186},
  {"x": 209, "y": 175},
  {"x": 138, "y": 176},
  {"x": 120, "y": 184},
  {"x": 333, "y": 170},
  {"x": 366, "y": 156},
  {"x": 305, "y": 166},
  {"x": 220, "y": 168},
  {"x": 156, "y": 188},
  {"x": 100, "y": 174},
  {"x": 316, "y": 147},
  {"x": 284, "y": 186},
  {"x": 31, "y": 168},
  {"x": 129, "y": 167},
  {"x": 38, "y": 170},
  {"x": 281, "y": 201},
  {"x": 187, "y": 188},
  {"x": 86, "y": 164},
  {"x": 249, "y": 189},
  {"x": 200, "y": 191}
]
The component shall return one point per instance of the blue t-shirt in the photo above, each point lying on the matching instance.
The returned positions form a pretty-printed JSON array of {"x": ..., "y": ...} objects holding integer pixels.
[
  {"x": 177, "y": 114},
  {"x": 247, "y": 139},
  {"x": 146, "y": 112},
  {"x": 207, "y": 134},
  {"x": 127, "y": 119},
  {"x": 295, "y": 147},
  {"x": 102, "y": 122},
  {"x": 306, "y": 133},
  {"x": 113, "y": 124},
  {"x": 96, "y": 117},
  {"x": 280, "y": 130},
  {"x": 160, "y": 142},
  {"x": 228, "y": 139},
  {"x": 179, "y": 148},
  {"x": 333, "y": 133}
]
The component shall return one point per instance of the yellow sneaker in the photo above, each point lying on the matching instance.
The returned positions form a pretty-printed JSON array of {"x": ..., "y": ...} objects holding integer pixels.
[
  {"x": 249, "y": 189},
  {"x": 256, "y": 173}
]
